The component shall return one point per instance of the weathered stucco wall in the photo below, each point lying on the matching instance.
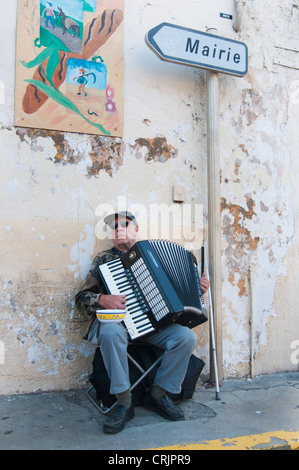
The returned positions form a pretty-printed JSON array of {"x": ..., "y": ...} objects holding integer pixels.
[
  {"x": 54, "y": 183},
  {"x": 259, "y": 195}
]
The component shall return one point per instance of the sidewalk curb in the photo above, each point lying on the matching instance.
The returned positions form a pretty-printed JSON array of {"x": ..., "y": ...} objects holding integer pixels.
[{"x": 276, "y": 440}]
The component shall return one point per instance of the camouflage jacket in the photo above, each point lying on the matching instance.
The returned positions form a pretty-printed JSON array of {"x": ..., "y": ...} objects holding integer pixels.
[{"x": 87, "y": 299}]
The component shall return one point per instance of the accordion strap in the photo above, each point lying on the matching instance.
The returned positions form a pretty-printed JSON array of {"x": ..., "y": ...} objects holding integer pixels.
[{"x": 194, "y": 310}]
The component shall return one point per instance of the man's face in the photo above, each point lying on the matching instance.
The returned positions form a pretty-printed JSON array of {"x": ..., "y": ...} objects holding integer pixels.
[{"x": 124, "y": 233}]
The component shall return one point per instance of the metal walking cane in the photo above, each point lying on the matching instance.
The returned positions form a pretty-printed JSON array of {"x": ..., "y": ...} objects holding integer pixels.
[{"x": 212, "y": 324}]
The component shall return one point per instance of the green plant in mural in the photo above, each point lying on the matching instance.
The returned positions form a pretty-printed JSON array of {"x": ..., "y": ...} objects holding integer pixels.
[{"x": 52, "y": 54}]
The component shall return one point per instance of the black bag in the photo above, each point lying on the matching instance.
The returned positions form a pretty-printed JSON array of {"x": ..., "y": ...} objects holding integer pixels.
[
  {"x": 195, "y": 367},
  {"x": 145, "y": 355}
]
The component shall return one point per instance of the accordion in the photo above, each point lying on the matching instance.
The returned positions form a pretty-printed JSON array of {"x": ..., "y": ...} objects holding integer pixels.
[{"x": 161, "y": 282}]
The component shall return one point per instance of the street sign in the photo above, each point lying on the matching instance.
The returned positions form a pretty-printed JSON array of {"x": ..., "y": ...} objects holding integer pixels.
[{"x": 186, "y": 46}]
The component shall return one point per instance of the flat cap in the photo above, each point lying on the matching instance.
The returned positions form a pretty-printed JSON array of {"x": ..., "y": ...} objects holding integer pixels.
[{"x": 111, "y": 218}]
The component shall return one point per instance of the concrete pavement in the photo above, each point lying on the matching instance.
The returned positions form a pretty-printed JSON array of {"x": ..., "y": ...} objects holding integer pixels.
[{"x": 259, "y": 413}]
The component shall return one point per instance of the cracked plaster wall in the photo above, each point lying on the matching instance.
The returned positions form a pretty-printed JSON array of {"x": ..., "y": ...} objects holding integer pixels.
[
  {"x": 259, "y": 196},
  {"x": 52, "y": 184}
]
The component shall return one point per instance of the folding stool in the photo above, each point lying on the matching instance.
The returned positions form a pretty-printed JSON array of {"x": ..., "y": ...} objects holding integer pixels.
[{"x": 143, "y": 373}]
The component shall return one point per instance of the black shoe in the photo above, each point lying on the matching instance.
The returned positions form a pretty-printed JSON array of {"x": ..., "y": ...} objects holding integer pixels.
[
  {"x": 117, "y": 418},
  {"x": 165, "y": 407}
]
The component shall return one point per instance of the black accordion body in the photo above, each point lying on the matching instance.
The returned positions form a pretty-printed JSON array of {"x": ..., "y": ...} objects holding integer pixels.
[{"x": 161, "y": 282}]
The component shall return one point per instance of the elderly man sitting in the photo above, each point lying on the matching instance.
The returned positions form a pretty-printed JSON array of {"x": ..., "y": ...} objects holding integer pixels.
[{"x": 178, "y": 341}]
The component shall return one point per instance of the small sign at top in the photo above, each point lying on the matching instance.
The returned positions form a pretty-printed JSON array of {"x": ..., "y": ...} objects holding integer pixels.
[{"x": 186, "y": 46}]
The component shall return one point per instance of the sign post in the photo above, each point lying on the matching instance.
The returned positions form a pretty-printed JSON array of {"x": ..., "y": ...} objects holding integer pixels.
[
  {"x": 214, "y": 232},
  {"x": 216, "y": 54}
]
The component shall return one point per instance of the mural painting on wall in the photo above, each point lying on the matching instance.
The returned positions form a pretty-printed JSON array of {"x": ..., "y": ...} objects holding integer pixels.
[{"x": 69, "y": 66}]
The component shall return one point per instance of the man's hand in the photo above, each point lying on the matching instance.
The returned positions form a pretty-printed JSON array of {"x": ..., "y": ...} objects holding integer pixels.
[
  {"x": 204, "y": 283},
  {"x": 113, "y": 301}
]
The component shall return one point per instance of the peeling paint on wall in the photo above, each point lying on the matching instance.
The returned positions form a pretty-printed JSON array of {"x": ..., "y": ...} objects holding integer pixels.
[
  {"x": 33, "y": 318},
  {"x": 105, "y": 153},
  {"x": 252, "y": 106},
  {"x": 239, "y": 239},
  {"x": 156, "y": 149}
]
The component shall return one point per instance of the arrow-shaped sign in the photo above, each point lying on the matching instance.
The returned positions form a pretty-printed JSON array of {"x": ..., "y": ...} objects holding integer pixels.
[{"x": 186, "y": 46}]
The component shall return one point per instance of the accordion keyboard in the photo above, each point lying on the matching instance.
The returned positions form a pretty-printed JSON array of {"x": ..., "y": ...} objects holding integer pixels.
[{"x": 119, "y": 283}]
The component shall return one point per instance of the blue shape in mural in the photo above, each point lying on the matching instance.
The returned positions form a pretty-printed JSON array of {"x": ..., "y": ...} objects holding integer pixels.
[{"x": 86, "y": 74}]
